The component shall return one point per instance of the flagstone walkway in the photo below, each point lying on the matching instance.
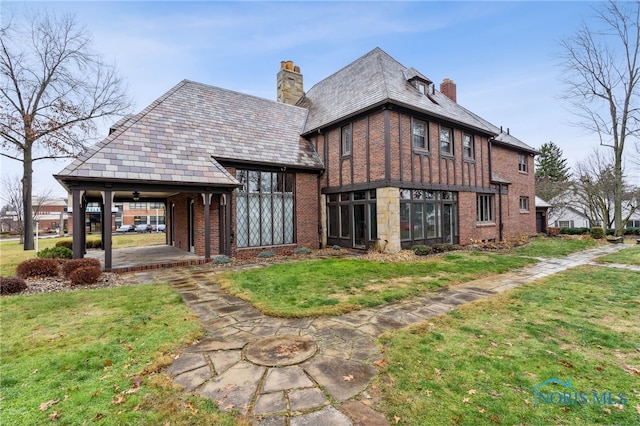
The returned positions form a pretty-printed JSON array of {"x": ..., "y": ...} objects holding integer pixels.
[{"x": 308, "y": 371}]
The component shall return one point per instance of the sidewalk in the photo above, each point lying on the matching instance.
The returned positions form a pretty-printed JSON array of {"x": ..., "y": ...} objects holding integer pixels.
[{"x": 306, "y": 371}]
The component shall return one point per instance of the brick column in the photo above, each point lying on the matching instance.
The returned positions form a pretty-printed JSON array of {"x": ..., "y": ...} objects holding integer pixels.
[{"x": 388, "y": 215}]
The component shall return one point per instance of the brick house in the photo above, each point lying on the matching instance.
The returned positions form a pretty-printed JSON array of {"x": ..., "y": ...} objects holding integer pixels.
[{"x": 374, "y": 154}]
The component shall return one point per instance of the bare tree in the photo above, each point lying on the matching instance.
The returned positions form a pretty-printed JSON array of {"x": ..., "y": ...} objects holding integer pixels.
[
  {"x": 602, "y": 75},
  {"x": 11, "y": 197},
  {"x": 53, "y": 88},
  {"x": 595, "y": 187}
]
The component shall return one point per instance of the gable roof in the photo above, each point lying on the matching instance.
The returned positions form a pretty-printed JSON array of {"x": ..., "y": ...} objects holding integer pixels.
[
  {"x": 375, "y": 79},
  {"x": 182, "y": 135}
]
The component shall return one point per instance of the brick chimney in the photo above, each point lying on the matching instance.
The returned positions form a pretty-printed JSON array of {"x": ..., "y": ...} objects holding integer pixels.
[
  {"x": 448, "y": 88},
  {"x": 290, "y": 88}
]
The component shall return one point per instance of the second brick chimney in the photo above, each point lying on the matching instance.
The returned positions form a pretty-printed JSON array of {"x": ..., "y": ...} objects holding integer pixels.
[
  {"x": 448, "y": 88},
  {"x": 290, "y": 88}
]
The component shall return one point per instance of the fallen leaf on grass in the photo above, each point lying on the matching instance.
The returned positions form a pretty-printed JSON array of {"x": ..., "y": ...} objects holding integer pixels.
[
  {"x": 379, "y": 362},
  {"x": 54, "y": 416},
  {"x": 465, "y": 400},
  {"x": 45, "y": 405},
  {"x": 108, "y": 362},
  {"x": 229, "y": 407},
  {"x": 428, "y": 392},
  {"x": 437, "y": 371},
  {"x": 607, "y": 410},
  {"x": 132, "y": 390},
  {"x": 118, "y": 400},
  {"x": 638, "y": 408},
  {"x": 495, "y": 394},
  {"x": 565, "y": 363},
  {"x": 480, "y": 409},
  {"x": 472, "y": 392},
  {"x": 494, "y": 344},
  {"x": 620, "y": 407},
  {"x": 397, "y": 419},
  {"x": 34, "y": 371},
  {"x": 98, "y": 416},
  {"x": 631, "y": 370},
  {"x": 347, "y": 378}
]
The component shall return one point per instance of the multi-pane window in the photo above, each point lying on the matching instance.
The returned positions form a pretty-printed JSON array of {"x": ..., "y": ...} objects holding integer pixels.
[
  {"x": 352, "y": 216},
  {"x": 468, "y": 146},
  {"x": 522, "y": 163},
  {"x": 156, "y": 205},
  {"x": 633, "y": 224},
  {"x": 264, "y": 208},
  {"x": 446, "y": 141},
  {"x": 137, "y": 206},
  {"x": 428, "y": 215},
  {"x": 524, "y": 204},
  {"x": 419, "y": 132},
  {"x": 485, "y": 208},
  {"x": 565, "y": 224},
  {"x": 346, "y": 140}
]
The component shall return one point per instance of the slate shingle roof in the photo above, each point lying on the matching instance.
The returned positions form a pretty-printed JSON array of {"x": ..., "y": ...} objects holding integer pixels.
[
  {"x": 375, "y": 79},
  {"x": 181, "y": 136}
]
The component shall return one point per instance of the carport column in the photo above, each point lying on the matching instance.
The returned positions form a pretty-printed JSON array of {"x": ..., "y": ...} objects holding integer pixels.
[
  {"x": 78, "y": 224},
  {"x": 388, "y": 218},
  {"x": 206, "y": 198},
  {"x": 107, "y": 202}
]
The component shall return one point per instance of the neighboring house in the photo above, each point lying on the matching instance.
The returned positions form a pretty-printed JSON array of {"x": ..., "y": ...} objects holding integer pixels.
[
  {"x": 542, "y": 215},
  {"x": 373, "y": 155},
  {"x": 572, "y": 218}
]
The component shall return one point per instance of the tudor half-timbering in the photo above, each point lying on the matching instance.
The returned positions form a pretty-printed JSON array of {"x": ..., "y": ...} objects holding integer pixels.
[{"x": 373, "y": 154}]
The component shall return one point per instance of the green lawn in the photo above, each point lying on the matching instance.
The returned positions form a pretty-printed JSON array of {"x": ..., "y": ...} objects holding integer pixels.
[
  {"x": 478, "y": 364},
  {"x": 630, "y": 256},
  {"x": 93, "y": 357},
  {"x": 12, "y": 253},
  {"x": 335, "y": 286}
]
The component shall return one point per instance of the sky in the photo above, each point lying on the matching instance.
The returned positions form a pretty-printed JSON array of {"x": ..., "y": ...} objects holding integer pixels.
[{"x": 503, "y": 55}]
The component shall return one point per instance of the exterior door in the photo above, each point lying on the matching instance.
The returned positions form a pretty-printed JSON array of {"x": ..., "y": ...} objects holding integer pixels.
[
  {"x": 448, "y": 224},
  {"x": 359, "y": 226}
]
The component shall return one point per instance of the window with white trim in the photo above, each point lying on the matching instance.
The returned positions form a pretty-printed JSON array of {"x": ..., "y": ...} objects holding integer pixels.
[
  {"x": 468, "y": 146},
  {"x": 446, "y": 140},
  {"x": 524, "y": 204},
  {"x": 522, "y": 163},
  {"x": 419, "y": 134}
]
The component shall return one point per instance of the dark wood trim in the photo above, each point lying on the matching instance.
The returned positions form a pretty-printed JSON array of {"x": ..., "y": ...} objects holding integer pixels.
[
  {"x": 409, "y": 185},
  {"x": 78, "y": 224},
  {"x": 207, "y": 225},
  {"x": 387, "y": 145},
  {"x": 106, "y": 231},
  {"x": 368, "y": 148},
  {"x": 400, "y": 157}
]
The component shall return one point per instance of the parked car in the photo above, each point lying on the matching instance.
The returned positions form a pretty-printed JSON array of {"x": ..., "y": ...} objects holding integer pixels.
[
  {"x": 126, "y": 228},
  {"x": 161, "y": 227},
  {"x": 143, "y": 227}
]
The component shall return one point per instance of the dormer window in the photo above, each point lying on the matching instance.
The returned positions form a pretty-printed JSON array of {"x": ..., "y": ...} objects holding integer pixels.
[{"x": 421, "y": 87}]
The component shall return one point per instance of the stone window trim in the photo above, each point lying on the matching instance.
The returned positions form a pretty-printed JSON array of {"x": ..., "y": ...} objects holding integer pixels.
[{"x": 524, "y": 204}]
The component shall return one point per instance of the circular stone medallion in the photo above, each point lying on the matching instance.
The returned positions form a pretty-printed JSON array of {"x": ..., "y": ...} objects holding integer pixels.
[{"x": 278, "y": 351}]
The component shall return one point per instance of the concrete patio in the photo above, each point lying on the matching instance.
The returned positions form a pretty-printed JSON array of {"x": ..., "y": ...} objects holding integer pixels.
[{"x": 160, "y": 256}]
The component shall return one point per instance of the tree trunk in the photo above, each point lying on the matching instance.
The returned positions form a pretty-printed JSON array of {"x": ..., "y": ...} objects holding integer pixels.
[
  {"x": 27, "y": 202},
  {"x": 617, "y": 197}
]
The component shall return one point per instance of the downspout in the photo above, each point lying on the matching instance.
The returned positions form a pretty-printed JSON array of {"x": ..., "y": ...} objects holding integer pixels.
[{"x": 500, "y": 224}]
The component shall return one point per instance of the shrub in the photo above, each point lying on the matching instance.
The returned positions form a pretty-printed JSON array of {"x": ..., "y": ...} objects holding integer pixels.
[
  {"x": 597, "y": 232},
  {"x": 65, "y": 243},
  {"x": 574, "y": 231},
  {"x": 55, "y": 253},
  {"x": 422, "y": 250},
  {"x": 336, "y": 247},
  {"x": 85, "y": 275},
  {"x": 632, "y": 231},
  {"x": 441, "y": 248},
  {"x": 32, "y": 268},
  {"x": 71, "y": 265},
  {"x": 221, "y": 259},
  {"x": 12, "y": 285},
  {"x": 266, "y": 254},
  {"x": 301, "y": 250},
  {"x": 94, "y": 244}
]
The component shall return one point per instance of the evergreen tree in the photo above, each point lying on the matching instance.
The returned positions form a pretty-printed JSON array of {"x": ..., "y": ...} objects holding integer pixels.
[{"x": 550, "y": 166}]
